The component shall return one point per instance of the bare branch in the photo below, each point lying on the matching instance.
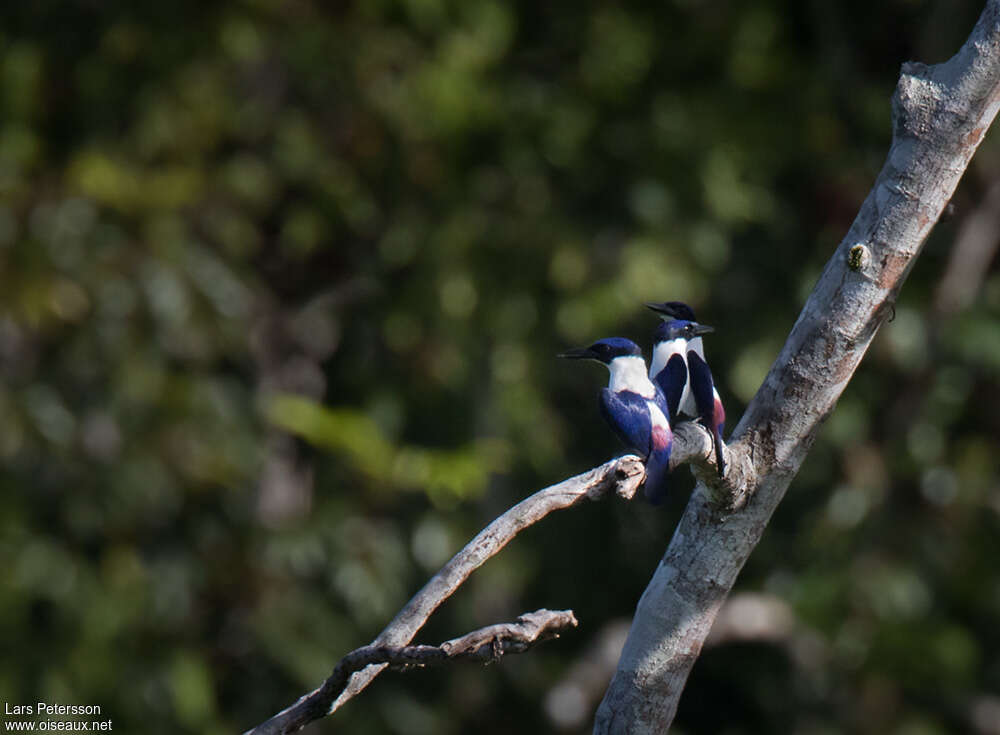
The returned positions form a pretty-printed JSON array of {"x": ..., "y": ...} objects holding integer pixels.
[
  {"x": 622, "y": 476},
  {"x": 693, "y": 445},
  {"x": 940, "y": 114},
  {"x": 486, "y": 645}
]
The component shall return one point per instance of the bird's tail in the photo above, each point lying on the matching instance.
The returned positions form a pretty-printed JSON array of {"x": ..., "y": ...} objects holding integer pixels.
[
  {"x": 657, "y": 475},
  {"x": 720, "y": 461}
]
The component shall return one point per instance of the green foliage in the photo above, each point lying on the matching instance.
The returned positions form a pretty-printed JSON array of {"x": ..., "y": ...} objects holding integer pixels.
[
  {"x": 446, "y": 476},
  {"x": 281, "y": 287}
]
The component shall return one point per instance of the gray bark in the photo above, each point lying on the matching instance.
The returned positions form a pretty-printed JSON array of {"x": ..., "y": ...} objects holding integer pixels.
[
  {"x": 621, "y": 476},
  {"x": 486, "y": 645},
  {"x": 940, "y": 114}
]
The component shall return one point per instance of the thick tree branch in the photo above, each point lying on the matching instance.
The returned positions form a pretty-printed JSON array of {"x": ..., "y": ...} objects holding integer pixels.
[
  {"x": 622, "y": 476},
  {"x": 485, "y": 645},
  {"x": 940, "y": 114}
]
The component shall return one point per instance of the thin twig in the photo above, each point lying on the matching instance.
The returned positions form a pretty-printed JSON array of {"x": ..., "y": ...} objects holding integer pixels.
[
  {"x": 622, "y": 475},
  {"x": 485, "y": 645}
]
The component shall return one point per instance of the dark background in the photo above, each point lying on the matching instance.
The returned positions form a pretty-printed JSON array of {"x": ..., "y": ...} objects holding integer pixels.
[{"x": 281, "y": 289}]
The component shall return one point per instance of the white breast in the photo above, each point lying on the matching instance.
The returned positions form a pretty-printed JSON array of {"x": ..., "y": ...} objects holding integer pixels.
[
  {"x": 663, "y": 352},
  {"x": 687, "y": 406},
  {"x": 629, "y": 373},
  {"x": 696, "y": 345}
]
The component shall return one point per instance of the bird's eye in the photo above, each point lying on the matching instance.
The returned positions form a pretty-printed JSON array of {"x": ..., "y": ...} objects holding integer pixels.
[{"x": 688, "y": 330}]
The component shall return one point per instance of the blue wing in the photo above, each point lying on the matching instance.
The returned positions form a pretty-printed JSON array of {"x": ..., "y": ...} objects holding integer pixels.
[
  {"x": 628, "y": 415},
  {"x": 626, "y": 412},
  {"x": 671, "y": 380},
  {"x": 709, "y": 406}
]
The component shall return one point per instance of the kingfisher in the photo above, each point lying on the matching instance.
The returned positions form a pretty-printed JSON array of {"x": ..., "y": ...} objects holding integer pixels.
[
  {"x": 634, "y": 407},
  {"x": 679, "y": 369}
]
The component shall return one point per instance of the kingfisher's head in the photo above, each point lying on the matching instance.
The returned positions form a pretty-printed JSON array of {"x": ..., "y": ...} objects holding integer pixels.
[
  {"x": 605, "y": 350},
  {"x": 669, "y": 310},
  {"x": 680, "y": 329}
]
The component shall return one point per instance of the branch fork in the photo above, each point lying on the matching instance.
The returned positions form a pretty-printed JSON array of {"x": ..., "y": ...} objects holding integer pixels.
[{"x": 693, "y": 445}]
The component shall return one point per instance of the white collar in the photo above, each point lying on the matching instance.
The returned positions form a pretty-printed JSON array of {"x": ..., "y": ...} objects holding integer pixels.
[{"x": 628, "y": 372}]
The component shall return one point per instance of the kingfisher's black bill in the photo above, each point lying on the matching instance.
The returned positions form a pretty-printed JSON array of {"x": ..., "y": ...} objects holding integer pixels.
[
  {"x": 578, "y": 353},
  {"x": 666, "y": 308},
  {"x": 700, "y": 329}
]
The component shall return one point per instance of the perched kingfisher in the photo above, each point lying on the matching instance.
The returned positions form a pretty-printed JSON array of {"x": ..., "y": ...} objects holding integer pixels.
[
  {"x": 634, "y": 407},
  {"x": 680, "y": 371}
]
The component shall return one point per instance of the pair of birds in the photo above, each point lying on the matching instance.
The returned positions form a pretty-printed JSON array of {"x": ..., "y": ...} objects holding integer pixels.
[{"x": 640, "y": 407}]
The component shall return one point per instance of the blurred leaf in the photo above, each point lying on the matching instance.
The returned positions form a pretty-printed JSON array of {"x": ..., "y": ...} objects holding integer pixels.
[{"x": 445, "y": 475}]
